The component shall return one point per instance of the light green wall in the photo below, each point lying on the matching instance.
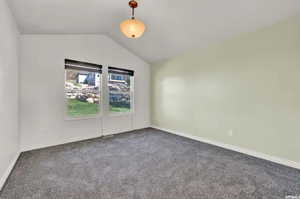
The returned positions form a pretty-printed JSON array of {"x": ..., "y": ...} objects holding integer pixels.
[{"x": 249, "y": 84}]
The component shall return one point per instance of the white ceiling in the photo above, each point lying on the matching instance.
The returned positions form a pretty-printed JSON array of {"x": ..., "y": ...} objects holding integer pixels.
[{"x": 173, "y": 26}]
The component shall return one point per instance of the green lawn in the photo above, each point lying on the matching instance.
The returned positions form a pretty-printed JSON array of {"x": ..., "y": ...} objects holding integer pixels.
[
  {"x": 118, "y": 109},
  {"x": 77, "y": 108}
]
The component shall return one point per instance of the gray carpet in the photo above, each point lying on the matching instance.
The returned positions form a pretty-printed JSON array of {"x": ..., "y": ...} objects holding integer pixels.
[{"x": 146, "y": 164}]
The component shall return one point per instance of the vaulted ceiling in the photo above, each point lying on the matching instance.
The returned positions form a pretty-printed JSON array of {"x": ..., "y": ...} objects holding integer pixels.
[{"x": 173, "y": 26}]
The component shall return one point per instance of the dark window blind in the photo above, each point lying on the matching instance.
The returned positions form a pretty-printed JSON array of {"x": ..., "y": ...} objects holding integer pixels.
[
  {"x": 85, "y": 66},
  {"x": 120, "y": 71}
]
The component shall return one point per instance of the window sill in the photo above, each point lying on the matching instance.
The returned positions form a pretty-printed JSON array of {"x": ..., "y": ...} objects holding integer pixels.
[
  {"x": 68, "y": 118},
  {"x": 117, "y": 114}
]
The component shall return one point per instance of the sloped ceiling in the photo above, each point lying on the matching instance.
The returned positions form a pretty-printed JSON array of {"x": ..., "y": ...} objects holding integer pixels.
[{"x": 173, "y": 26}]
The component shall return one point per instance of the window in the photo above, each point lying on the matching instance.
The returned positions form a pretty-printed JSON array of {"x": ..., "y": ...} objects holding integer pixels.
[
  {"x": 82, "y": 88},
  {"x": 120, "y": 85}
]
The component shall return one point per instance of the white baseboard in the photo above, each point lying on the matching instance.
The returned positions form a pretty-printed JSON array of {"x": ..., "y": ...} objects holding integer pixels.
[
  {"x": 278, "y": 160},
  {"x": 8, "y": 171},
  {"x": 72, "y": 140}
]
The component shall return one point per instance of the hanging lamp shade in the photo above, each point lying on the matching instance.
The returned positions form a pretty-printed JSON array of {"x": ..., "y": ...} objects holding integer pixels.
[{"x": 132, "y": 28}]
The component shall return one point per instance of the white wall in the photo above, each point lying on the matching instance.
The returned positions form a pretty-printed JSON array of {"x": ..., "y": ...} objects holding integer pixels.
[
  {"x": 9, "y": 136},
  {"x": 42, "y": 88},
  {"x": 242, "y": 92}
]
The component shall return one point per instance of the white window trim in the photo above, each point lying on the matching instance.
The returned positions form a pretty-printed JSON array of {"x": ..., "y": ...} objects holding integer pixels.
[
  {"x": 132, "y": 104},
  {"x": 100, "y": 105}
]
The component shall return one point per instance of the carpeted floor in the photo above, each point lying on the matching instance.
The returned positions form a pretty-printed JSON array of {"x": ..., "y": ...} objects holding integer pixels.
[{"x": 146, "y": 164}]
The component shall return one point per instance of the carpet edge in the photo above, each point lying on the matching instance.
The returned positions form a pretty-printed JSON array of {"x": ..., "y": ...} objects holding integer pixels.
[{"x": 249, "y": 152}]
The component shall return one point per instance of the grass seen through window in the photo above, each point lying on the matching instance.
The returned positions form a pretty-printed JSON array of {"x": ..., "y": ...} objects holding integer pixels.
[{"x": 78, "y": 108}]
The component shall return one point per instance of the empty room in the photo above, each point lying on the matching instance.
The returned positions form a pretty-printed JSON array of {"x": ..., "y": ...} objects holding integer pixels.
[{"x": 149, "y": 99}]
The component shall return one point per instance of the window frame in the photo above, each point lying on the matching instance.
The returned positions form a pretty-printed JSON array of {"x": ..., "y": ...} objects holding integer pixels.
[
  {"x": 130, "y": 92},
  {"x": 100, "y": 105}
]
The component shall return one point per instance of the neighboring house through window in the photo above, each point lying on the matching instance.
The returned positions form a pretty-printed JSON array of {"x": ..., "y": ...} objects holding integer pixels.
[
  {"x": 82, "y": 88},
  {"x": 120, "y": 86}
]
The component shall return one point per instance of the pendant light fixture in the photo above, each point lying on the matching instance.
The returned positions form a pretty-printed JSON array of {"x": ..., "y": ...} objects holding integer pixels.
[{"x": 132, "y": 28}]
